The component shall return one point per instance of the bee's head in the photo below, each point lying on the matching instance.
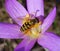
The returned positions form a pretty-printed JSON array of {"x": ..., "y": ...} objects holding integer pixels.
[{"x": 39, "y": 18}]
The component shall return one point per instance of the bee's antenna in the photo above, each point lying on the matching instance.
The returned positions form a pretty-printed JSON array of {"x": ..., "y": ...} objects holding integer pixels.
[{"x": 36, "y": 12}]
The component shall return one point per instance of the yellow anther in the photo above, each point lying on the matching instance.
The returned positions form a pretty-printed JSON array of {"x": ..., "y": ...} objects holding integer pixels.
[{"x": 27, "y": 17}]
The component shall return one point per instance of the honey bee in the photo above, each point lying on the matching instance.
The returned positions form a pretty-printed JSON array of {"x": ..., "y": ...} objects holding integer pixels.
[{"x": 30, "y": 23}]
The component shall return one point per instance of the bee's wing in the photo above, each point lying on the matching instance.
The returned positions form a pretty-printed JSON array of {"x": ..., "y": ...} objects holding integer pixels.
[
  {"x": 23, "y": 19},
  {"x": 20, "y": 18}
]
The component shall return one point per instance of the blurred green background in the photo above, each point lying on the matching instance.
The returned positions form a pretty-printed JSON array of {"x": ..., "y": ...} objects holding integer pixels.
[{"x": 9, "y": 45}]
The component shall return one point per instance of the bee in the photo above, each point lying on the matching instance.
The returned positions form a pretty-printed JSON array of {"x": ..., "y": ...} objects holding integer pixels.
[{"x": 27, "y": 25}]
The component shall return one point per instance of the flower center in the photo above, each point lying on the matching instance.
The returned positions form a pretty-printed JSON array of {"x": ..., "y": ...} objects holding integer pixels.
[{"x": 31, "y": 26}]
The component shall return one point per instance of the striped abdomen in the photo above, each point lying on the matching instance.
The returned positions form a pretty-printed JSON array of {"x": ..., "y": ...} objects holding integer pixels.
[{"x": 27, "y": 25}]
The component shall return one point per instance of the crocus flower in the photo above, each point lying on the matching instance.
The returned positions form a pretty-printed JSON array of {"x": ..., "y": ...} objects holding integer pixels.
[{"x": 36, "y": 33}]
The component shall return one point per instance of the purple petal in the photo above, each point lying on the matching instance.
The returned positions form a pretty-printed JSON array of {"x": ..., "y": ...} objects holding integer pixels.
[
  {"x": 25, "y": 45},
  {"x": 36, "y": 5},
  {"x": 10, "y": 31},
  {"x": 15, "y": 10},
  {"x": 49, "y": 20},
  {"x": 50, "y": 41}
]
